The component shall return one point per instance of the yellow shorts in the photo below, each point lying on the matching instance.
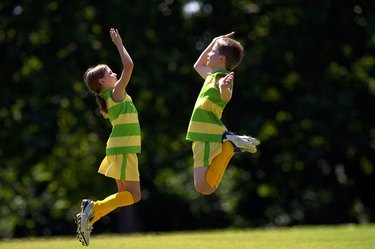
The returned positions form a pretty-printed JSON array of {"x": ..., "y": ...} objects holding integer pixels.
[
  {"x": 121, "y": 167},
  {"x": 205, "y": 152}
]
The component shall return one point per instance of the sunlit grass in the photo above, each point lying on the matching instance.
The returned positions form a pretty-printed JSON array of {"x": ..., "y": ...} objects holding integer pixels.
[{"x": 314, "y": 237}]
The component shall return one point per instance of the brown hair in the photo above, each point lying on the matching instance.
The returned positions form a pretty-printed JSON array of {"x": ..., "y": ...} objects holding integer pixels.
[
  {"x": 232, "y": 50},
  {"x": 91, "y": 78}
]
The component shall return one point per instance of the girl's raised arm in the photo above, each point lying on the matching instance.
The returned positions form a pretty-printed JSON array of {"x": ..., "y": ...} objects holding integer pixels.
[{"x": 128, "y": 65}]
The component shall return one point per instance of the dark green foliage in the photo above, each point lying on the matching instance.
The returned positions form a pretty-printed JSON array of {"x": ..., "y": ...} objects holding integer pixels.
[{"x": 305, "y": 88}]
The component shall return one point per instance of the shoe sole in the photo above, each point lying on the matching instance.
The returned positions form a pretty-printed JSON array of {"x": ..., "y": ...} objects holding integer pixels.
[
  {"x": 84, "y": 206},
  {"x": 252, "y": 150},
  {"x": 81, "y": 238},
  {"x": 255, "y": 141}
]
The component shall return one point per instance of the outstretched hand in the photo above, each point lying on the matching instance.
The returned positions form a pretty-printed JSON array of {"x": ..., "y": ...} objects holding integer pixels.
[
  {"x": 224, "y": 36},
  {"x": 227, "y": 81},
  {"x": 115, "y": 36},
  {"x": 225, "y": 85},
  {"x": 228, "y": 35}
]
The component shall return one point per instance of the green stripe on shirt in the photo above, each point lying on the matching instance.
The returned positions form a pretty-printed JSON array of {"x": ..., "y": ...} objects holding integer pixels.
[
  {"x": 201, "y": 115},
  {"x": 123, "y": 150},
  {"x": 126, "y": 130}
]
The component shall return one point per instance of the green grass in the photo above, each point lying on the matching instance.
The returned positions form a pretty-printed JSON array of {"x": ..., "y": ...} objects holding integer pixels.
[{"x": 314, "y": 237}]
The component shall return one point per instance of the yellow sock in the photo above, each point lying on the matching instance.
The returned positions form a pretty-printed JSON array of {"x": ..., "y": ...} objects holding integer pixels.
[
  {"x": 219, "y": 164},
  {"x": 102, "y": 208}
]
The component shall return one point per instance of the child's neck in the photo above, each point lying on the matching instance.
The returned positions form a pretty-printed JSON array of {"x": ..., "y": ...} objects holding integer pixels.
[{"x": 219, "y": 68}]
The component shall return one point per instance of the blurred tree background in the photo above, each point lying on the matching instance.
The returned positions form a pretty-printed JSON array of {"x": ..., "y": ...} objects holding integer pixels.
[{"x": 306, "y": 89}]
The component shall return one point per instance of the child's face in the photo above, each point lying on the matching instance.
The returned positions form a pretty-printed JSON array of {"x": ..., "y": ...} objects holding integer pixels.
[
  {"x": 109, "y": 80},
  {"x": 214, "y": 59}
]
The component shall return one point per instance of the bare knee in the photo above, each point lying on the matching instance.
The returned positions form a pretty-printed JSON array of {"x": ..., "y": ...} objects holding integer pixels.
[
  {"x": 200, "y": 183},
  {"x": 133, "y": 187},
  {"x": 136, "y": 196},
  {"x": 204, "y": 189}
]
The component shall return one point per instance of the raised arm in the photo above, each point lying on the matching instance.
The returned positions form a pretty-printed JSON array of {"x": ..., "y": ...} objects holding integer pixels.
[
  {"x": 201, "y": 64},
  {"x": 127, "y": 63}
]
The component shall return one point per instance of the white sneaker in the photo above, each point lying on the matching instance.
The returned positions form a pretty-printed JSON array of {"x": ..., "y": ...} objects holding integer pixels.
[
  {"x": 241, "y": 143},
  {"x": 250, "y": 139},
  {"x": 86, "y": 213},
  {"x": 83, "y": 234}
]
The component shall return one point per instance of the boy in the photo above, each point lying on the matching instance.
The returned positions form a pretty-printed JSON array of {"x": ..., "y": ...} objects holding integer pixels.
[{"x": 213, "y": 146}]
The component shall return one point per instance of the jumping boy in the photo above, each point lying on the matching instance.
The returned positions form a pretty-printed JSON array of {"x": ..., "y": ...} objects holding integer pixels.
[{"x": 213, "y": 146}]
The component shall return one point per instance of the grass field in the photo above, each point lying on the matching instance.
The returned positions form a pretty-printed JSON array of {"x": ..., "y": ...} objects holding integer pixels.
[{"x": 314, "y": 237}]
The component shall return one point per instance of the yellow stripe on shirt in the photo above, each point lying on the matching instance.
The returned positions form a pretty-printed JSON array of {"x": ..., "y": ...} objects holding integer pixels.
[
  {"x": 202, "y": 127},
  {"x": 123, "y": 141},
  {"x": 126, "y": 118},
  {"x": 208, "y": 105}
]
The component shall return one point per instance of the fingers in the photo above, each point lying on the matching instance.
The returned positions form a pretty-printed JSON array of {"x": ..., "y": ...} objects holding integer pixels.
[
  {"x": 229, "y": 34},
  {"x": 115, "y": 35},
  {"x": 113, "y": 32},
  {"x": 224, "y": 36},
  {"x": 227, "y": 80},
  {"x": 229, "y": 77}
]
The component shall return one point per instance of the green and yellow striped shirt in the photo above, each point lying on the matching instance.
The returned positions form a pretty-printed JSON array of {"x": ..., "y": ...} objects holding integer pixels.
[
  {"x": 126, "y": 132},
  {"x": 205, "y": 124}
]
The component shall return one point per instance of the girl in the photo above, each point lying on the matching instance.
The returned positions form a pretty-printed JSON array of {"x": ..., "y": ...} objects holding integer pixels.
[{"x": 121, "y": 162}]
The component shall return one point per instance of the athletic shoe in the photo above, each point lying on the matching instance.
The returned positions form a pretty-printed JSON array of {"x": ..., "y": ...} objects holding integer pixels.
[
  {"x": 86, "y": 214},
  {"x": 83, "y": 235},
  {"x": 241, "y": 143}
]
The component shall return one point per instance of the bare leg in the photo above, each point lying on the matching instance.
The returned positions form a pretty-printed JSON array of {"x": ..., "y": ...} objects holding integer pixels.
[
  {"x": 200, "y": 182},
  {"x": 133, "y": 187},
  {"x": 128, "y": 193}
]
